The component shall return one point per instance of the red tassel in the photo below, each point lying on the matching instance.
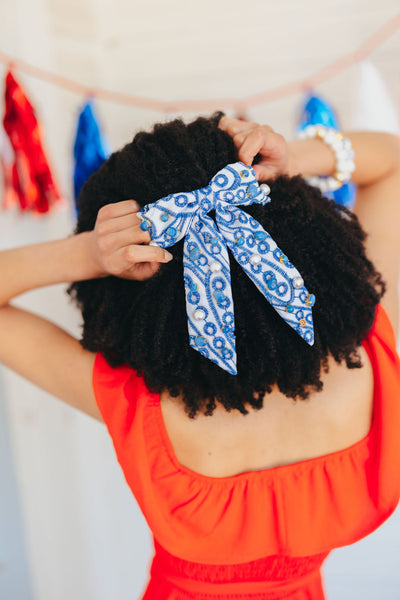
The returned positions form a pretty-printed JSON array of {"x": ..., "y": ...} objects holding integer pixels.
[
  {"x": 31, "y": 178},
  {"x": 10, "y": 197}
]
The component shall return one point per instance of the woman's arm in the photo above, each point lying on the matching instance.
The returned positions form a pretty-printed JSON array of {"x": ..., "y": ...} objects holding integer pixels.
[
  {"x": 376, "y": 156},
  {"x": 30, "y": 345},
  {"x": 38, "y": 349},
  {"x": 377, "y": 175}
]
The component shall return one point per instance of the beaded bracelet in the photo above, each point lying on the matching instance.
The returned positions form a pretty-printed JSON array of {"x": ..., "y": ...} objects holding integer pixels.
[{"x": 344, "y": 155}]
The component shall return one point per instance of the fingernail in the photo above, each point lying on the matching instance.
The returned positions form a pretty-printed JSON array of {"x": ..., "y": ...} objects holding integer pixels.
[
  {"x": 168, "y": 256},
  {"x": 135, "y": 205}
]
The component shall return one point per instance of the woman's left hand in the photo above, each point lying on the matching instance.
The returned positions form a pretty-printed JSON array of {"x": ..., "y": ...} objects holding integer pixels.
[{"x": 251, "y": 139}]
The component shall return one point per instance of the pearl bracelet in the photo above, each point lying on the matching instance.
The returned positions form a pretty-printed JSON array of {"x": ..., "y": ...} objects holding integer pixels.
[{"x": 344, "y": 155}]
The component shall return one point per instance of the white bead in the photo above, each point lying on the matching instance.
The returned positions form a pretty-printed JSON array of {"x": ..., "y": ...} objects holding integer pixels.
[
  {"x": 215, "y": 267},
  {"x": 264, "y": 187},
  {"x": 323, "y": 185},
  {"x": 347, "y": 144},
  {"x": 332, "y": 184},
  {"x": 313, "y": 180},
  {"x": 342, "y": 165},
  {"x": 330, "y": 137},
  {"x": 298, "y": 282},
  {"x": 199, "y": 314},
  {"x": 311, "y": 130},
  {"x": 342, "y": 155},
  {"x": 255, "y": 259}
]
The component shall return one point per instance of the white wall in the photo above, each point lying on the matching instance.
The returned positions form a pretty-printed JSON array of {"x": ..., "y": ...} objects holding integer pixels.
[
  {"x": 15, "y": 576},
  {"x": 85, "y": 537}
]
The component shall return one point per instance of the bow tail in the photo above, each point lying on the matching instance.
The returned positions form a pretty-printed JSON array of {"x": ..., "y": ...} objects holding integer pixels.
[
  {"x": 209, "y": 303},
  {"x": 269, "y": 268}
]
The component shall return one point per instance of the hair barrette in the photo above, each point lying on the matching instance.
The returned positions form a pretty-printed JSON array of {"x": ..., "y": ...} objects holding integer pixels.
[{"x": 209, "y": 303}]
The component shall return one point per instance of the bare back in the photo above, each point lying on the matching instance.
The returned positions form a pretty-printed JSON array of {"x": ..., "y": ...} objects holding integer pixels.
[{"x": 284, "y": 431}]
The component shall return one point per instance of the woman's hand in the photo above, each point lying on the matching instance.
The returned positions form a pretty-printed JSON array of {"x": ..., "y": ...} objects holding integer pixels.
[
  {"x": 120, "y": 247},
  {"x": 251, "y": 139}
]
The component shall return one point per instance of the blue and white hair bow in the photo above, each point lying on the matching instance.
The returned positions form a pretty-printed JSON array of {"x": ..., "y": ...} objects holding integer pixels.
[{"x": 209, "y": 303}]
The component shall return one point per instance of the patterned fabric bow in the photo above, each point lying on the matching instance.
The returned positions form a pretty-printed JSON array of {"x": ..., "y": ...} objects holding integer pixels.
[{"x": 209, "y": 303}]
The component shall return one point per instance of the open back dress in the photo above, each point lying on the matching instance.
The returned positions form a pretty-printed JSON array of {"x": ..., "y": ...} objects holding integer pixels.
[{"x": 259, "y": 535}]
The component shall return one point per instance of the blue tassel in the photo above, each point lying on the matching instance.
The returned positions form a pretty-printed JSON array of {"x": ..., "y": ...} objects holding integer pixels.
[{"x": 90, "y": 150}]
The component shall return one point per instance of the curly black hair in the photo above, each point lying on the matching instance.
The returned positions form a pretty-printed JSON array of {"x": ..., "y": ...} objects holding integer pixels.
[{"x": 144, "y": 323}]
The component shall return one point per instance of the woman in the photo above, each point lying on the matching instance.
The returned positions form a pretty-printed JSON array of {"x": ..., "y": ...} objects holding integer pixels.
[{"x": 247, "y": 480}]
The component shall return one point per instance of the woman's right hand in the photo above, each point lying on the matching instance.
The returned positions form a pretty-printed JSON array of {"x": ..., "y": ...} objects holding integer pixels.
[
  {"x": 119, "y": 247},
  {"x": 251, "y": 139}
]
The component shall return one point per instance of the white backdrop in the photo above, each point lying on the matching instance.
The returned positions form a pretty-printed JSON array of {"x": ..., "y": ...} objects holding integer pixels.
[{"x": 84, "y": 535}]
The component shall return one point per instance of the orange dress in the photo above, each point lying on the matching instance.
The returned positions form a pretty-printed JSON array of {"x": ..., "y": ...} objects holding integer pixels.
[{"x": 260, "y": 535}]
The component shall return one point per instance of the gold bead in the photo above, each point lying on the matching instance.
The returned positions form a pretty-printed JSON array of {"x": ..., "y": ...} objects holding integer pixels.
[
  {"x": 302, "y": 322},
  {"x": 340, "y": 177}
]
